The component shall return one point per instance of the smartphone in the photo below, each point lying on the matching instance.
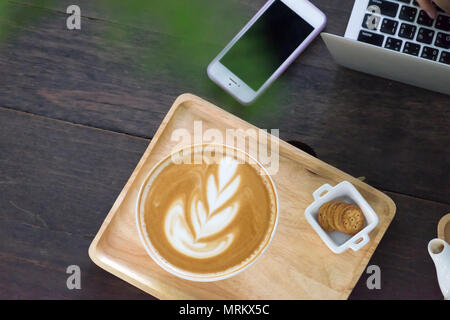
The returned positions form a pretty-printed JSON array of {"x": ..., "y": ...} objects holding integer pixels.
[{"x": 265, "y": 47}]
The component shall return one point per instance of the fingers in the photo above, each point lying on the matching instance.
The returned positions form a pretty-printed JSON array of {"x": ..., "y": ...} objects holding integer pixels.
[{"x": 429, "y": 8}]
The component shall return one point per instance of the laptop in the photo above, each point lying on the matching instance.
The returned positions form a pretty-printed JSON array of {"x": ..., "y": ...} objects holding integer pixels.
[{"x": 396, "y": 39}]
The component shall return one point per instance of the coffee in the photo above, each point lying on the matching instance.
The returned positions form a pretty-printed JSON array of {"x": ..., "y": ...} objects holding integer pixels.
[{"x": 207, "y": 211}]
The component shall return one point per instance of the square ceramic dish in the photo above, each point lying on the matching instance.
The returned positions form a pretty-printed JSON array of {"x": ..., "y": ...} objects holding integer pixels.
[{"x": 338, "y": 241}]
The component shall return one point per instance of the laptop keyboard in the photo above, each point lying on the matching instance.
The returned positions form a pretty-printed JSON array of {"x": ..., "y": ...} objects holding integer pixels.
[{"x": 403, "y": 26}]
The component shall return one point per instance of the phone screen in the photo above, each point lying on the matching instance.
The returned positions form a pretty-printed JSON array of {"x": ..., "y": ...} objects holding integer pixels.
[{"x": 266, "y": 45}]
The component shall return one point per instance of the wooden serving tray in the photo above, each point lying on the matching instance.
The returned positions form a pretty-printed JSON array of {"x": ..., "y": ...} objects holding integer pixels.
[{"x": 297, "y": 264}]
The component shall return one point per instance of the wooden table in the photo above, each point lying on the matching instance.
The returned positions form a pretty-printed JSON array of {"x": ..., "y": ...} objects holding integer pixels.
[{"x": 78, "y": 108}]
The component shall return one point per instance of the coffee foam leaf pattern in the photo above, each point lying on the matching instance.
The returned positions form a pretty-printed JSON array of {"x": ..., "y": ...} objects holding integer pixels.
[{"x": 207, "y": 220}]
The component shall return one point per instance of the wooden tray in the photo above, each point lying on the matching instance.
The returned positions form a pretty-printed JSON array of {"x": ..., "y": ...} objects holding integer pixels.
[{"x": 297, "y": 264}]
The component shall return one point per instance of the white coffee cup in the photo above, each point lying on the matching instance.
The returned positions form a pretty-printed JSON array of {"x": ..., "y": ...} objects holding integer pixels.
[{"x": 158, "y": 258}]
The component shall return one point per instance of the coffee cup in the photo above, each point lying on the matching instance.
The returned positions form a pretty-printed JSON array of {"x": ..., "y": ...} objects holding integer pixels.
[{"x": 207, "y": 212}]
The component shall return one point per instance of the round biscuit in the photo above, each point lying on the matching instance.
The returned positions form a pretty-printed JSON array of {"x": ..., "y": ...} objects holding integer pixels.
[
  {"x": 338, "y": 217},
  {"x": 322, "y": 217},
  {"x": 353, "y": 220},
  {"x": 330, "y": 214}
]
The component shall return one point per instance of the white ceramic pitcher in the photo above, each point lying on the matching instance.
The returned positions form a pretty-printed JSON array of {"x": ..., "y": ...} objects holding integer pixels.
[{"x": 439, "y": 251}]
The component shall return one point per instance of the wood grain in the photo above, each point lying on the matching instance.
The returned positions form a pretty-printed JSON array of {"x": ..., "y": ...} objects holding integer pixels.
[
  {"x": 292, "y": 267},
  {"x": 69, "y": 175},
  {"x": 57, "y": 181},
  {"x": 407, "y": 271},
  {"x": 393, "y": 134},
  {"x": 127, "y": 82}
]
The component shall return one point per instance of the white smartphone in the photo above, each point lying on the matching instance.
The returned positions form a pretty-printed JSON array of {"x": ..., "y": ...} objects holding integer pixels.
[{"x": 265, "y": 47}]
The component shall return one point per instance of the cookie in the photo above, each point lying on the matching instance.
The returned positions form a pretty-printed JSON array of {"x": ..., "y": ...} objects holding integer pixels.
[
  {"x": 322, "y": 217},
  {"x": 338, "y": 216},
  {"x": 353, "y": 220},
  {"x": 330, "y": 214},
  {"x": 341, "y": 216}
]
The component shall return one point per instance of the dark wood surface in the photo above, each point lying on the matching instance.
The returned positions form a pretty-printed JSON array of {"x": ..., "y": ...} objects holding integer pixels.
[{"x": 78, "y": 109}]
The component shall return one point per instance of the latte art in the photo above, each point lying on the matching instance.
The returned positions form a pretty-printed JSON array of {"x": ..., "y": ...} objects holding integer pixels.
[{"x": 208, "y": 218}]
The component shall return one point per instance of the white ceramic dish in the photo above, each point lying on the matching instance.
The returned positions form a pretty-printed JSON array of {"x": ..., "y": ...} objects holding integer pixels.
[{"x": 337, "y": 241}]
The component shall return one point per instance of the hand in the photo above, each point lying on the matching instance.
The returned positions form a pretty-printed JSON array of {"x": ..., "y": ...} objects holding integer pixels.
[
  {"x": 443, "y": 4},
  {"x": 430, "y": 8}
]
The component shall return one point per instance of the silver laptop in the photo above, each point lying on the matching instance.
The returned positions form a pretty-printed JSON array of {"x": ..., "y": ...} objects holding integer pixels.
[{"x": 397, "y": 40}]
